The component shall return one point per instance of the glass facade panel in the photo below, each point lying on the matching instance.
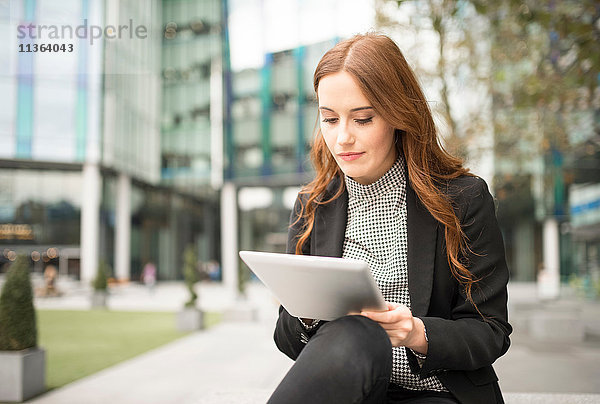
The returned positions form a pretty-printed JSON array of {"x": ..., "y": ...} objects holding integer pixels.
[
  {"x": 247, "y": 83},
  {"x": 68, "y": 13},
  {"x": 8, "y": 84},
  {"x": 264, "y": 228},
  {"x": 131, "y": 140},
  {"x": 163, "y": 224},
  {"x": 274, "y": 114},
  {"x": 39, "y": 207},
  {"x": 284, "y": 139},
  {"x": 247, "y": 132},
  {"x": 191, "y": 41},
  {"x": 284, "y": 72},
  {"x": 248, "y": 152},
  {"x": 7, "y": 116},
  {"x": 212, "y": 12},
  {"x": 55, "y": 137}
]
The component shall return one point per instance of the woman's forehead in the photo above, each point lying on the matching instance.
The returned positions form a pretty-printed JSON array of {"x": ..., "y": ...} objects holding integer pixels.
[{"x": 340, "y": 92}]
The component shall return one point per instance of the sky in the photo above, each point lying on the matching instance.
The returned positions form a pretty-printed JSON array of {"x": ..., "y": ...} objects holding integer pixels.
[{"x": 257, "y": 27}]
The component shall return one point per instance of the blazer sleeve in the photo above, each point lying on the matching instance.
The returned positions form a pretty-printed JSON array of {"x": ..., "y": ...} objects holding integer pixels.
[
  {"x": 290, "y": 335},
  {"x": 469, "y": 341}
]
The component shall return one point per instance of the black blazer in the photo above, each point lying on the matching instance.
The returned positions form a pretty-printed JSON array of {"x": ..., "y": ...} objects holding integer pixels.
[{"x": 462, "y": 345}]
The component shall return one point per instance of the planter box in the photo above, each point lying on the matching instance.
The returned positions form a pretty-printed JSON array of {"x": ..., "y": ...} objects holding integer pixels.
[
  {"x": 190, "y": 319},
  {"x": 23, "y": 374},
  {"x": 99, "y": 299}
]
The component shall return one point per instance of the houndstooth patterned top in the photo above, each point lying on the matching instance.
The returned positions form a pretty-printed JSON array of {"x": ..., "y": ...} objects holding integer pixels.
[{"x": 376, "y": 232}]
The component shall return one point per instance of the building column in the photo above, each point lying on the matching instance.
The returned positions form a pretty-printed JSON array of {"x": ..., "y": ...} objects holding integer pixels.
[
  {"x": 216, "y": 124},
  {"x": 90, "y": 221},
  {"x": 524, "y": 249},
  {"x": 123, "y": 228},
  {"x": 229, "y": 239},
  {"x": 549, "y": 277}
]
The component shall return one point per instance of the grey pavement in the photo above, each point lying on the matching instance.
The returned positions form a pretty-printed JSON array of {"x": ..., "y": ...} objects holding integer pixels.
[
  {"x": 218, "y": 365},
  {"x": 237, "y": 362},
  {"x": 201, "y": 368}
]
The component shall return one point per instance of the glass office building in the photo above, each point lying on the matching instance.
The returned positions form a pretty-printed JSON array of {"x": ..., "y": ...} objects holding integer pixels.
[
  {"x": 86, "y": 156},
  {"x": 49, "y": 122},
  {"x": 192, "y": 52},
  {"x": 274, "y": 115}
]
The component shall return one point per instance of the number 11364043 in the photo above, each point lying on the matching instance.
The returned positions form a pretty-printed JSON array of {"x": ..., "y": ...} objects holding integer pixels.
[{"x": 66, "y": 48}]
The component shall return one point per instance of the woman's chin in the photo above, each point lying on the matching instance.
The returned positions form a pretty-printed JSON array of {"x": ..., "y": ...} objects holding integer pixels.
[{"x": 354, "y": 174}]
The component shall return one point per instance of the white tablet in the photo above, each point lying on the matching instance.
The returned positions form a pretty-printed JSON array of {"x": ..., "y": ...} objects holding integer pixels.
[{"x": 324, "y": 288}]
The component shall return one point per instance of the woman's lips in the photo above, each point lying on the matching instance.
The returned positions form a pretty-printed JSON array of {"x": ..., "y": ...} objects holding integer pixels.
[{"x": 350, "y": 156}]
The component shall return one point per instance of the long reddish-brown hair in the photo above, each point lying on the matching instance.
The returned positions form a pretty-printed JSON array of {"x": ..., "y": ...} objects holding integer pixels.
[{"x": 388, "y": 82}]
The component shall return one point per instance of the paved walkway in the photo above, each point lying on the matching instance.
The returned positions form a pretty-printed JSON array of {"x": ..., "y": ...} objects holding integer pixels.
[
  {"x": 237, "y": 362},
  {"x": 226, "y": 360}
]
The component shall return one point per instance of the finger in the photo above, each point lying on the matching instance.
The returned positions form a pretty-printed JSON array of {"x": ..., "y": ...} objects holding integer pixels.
[
  {"x": 393, "y": 328},
  {"x": 393, "y": 305},
  {"x": 364, "y": 312},
  {"x": 392, "y": 316},
  {"x": 380, "y": 317}
]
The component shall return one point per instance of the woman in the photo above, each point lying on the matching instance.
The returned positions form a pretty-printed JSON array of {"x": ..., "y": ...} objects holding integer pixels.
[{"x": 386, "y": 192}]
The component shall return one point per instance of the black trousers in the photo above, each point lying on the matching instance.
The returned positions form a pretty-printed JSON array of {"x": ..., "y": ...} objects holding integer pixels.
[{"x": 348, "y": 360}]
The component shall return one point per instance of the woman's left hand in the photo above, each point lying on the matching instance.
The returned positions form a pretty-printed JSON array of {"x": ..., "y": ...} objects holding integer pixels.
[{"x": 400, "y": 325}]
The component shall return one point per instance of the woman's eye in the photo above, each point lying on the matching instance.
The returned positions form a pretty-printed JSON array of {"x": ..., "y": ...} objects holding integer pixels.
[
  {"x": 364, "y": 121},
  {"x": 330, "y": 120}
]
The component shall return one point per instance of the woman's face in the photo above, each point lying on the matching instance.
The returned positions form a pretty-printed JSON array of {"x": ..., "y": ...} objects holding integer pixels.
[{"x": 359, "y": 139}]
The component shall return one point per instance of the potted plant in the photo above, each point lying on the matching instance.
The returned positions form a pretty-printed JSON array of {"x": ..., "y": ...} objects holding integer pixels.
[
  {"x": 190, "y": 318},
  {"x": 100, "y": 285},
  {"x": 22, "y": 361}
]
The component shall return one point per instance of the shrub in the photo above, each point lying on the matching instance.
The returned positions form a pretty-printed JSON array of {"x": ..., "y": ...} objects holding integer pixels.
[
  {"x": 18, "y": 328},
  {"x": 190, "y": 274},
  {"x": 101, "y": 280}
]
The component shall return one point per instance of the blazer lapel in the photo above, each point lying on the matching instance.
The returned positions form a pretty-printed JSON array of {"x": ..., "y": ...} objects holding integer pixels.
[
  {"x": 330, "y": 223},
  {"x": 422, "y": 239}
]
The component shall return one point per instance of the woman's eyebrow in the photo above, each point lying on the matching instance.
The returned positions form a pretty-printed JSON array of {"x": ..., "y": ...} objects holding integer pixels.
[{"x": 352, "y": 110}]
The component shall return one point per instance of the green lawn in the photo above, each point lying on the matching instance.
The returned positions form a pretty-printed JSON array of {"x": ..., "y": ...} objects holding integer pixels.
[{"x": 79, "y": 343}]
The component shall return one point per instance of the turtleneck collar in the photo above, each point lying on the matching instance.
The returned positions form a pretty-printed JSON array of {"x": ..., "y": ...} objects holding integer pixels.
[{"x": 393, "y": 179}]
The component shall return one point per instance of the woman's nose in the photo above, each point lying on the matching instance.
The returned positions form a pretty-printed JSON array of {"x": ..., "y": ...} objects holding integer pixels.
[{"x": 345, "y": 135}]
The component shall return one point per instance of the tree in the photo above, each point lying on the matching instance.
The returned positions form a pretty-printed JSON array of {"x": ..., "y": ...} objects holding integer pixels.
[
  {"x": 441, "y": 40},
  {"x": 546, "y": 104},
  {"x": 541, "y": 72},
  {"x": 538, "y": 61}
]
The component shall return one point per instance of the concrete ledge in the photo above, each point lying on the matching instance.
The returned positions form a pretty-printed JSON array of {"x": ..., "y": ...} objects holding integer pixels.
[
  {"x": 553, "y": 321},
  {"x": 251, "y": 396},
  {"x": 566, "y": 327},
  {"x": 241, "y": 312},
  {"x": 551, "y": 398}
]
